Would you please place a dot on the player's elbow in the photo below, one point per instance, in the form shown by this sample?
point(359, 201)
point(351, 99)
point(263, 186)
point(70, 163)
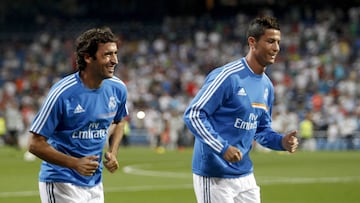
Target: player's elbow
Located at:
point(32, 147)
point(189, 116)
point(36, 143)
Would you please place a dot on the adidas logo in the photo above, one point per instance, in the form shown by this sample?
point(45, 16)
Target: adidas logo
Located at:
point(241, 92)
point(79, 109)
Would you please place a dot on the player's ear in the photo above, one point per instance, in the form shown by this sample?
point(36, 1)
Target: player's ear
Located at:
point(251, 42)
point(87, 58)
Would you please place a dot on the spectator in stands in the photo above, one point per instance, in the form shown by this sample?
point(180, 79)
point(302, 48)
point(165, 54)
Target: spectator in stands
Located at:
point(175, 125)
point(333, 137)
point(2, 129)
point(127, 130)
point(306, 132)
point(348, 127)
point(155, 125)
point(14, 124)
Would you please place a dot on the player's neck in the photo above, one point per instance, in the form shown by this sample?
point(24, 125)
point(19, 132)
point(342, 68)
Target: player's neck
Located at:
point(254, 65)
point(89, 81)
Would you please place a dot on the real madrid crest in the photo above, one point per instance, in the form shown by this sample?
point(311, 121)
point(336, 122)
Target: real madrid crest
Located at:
point(112, 103)
point(266, 94)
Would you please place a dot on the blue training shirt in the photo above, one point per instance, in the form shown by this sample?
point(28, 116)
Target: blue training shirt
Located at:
point(233, 107)
point(75, 119)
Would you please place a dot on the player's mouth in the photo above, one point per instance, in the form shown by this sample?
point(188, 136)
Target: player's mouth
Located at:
point(273, 56)
point(111, 69)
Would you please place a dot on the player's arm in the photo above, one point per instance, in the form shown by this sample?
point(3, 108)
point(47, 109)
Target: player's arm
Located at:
point(267, 137)
point(116, 131)
point(85, 166)
point(206, 102)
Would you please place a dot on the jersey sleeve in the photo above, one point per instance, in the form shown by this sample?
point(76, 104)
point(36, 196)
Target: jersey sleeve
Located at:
point(265, 135)
point(122, 110)
point(48, 117)
point(205, 103)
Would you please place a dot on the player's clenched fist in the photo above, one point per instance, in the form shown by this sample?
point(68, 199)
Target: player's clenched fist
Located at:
point(232, 154)
point(87, 166)
point(290, 141)
point(111, 163)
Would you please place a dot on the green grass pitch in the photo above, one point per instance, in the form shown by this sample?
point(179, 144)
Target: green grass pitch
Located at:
point(146, 176)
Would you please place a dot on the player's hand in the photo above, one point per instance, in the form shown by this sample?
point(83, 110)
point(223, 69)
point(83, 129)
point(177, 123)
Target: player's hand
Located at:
point(110, 162)
point(87, 165)
point(290, 142)
point(233, 154)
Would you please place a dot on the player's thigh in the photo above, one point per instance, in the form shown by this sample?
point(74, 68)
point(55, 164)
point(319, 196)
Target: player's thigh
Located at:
point(97, 194)
point(249, 196)
point(249, 191)
point(209, 189)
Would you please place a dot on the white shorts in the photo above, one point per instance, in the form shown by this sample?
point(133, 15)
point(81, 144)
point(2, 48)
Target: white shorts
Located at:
point(69, 193)
point(226, 190)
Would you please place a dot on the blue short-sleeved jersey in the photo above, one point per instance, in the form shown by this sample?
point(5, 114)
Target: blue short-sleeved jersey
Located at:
point(75, 119)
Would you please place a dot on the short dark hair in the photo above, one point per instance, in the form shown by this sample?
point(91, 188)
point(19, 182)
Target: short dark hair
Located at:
point(258, 26)
point(88, 41)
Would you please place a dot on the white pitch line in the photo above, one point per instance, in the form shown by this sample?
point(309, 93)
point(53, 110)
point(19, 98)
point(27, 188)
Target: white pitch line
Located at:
point(107, 190)
point(138, 171)
point(262, 180)
point(149, 188)
point(305, 180)
point(19, 194)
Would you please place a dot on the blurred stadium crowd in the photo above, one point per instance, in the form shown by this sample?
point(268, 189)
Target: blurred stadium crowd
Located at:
point(164, 64)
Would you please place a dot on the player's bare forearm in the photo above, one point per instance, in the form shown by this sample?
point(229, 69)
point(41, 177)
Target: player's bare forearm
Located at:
point(116, 132)
point(85, 165)
point(39, 147)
